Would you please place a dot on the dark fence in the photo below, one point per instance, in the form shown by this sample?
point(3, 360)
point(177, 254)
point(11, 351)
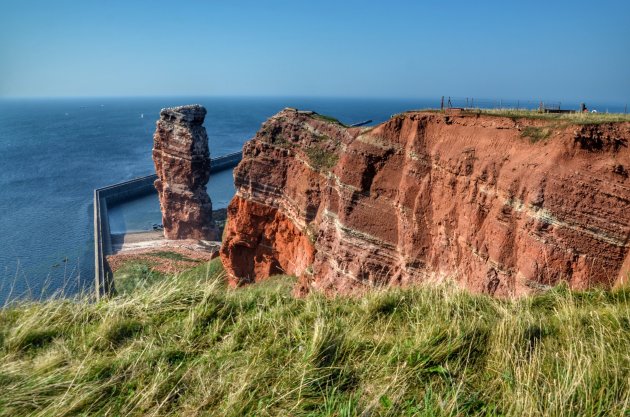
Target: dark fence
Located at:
point(448, 102)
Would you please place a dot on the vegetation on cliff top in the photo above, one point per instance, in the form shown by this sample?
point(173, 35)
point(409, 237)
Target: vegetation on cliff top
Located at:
point(575, 118)
point(563, 118)
point(327, 118)
point(188, 345)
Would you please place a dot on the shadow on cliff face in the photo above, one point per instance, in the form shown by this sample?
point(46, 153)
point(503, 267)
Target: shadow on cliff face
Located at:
point(264, 243)
point(594, 139)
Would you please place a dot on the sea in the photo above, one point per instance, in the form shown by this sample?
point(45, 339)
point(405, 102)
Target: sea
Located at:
point(54, 152)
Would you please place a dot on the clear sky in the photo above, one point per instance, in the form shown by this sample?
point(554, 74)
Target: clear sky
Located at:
point(570, 50)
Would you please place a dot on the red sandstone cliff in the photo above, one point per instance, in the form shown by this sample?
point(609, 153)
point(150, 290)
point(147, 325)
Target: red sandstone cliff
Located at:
point(182, 163)
point(428, 196)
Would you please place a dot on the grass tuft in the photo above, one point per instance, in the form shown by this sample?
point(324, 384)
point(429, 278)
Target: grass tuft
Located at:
point(113, 333)
point(32, 338)
point(321, 159)
point(536, 134)
point(136, 276)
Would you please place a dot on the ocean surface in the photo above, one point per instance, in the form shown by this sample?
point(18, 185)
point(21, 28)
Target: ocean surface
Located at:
point(53, 153)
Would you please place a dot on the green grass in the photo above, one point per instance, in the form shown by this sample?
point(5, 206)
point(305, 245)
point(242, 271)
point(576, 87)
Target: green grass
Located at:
point(134, 275)
point(327, 118)
point(171, 255)
point(536, 134)
point(188, 345)
point(563, 119)
point(281, 141)
point(320, 158)
point(573, 118)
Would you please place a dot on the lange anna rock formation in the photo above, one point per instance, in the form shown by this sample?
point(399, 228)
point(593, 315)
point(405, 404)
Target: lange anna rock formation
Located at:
point(501, 205)
point(182, 163)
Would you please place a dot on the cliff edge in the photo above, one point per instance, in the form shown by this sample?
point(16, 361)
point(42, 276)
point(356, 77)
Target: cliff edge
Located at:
point(502, 205)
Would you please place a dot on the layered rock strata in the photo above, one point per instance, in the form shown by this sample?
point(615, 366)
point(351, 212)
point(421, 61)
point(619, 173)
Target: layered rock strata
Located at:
point(502, 206)
point(182, 163)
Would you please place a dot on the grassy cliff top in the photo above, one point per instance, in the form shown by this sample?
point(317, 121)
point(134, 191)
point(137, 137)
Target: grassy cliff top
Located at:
point(575, 118)
point(567, 118)
point(188, 345)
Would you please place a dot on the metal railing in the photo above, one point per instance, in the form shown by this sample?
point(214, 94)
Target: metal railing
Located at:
point(449, 102)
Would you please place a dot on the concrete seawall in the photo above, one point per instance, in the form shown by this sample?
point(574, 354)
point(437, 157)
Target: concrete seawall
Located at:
point(117, 193)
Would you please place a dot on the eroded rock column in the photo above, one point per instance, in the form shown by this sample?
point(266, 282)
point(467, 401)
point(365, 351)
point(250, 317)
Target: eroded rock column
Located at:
point(182, 163)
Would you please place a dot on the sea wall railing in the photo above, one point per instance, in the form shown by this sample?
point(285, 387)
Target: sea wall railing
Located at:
point(123, 191)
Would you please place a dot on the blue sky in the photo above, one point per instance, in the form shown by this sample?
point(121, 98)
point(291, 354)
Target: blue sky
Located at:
point(570, 50)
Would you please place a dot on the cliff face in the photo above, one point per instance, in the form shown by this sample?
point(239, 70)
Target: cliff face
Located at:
point(503, 206)
point(182, 163)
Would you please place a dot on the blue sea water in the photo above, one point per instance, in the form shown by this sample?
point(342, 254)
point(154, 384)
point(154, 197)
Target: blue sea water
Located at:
point(53, 153)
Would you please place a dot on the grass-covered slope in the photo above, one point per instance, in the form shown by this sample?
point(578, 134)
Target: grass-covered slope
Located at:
point(190, 346)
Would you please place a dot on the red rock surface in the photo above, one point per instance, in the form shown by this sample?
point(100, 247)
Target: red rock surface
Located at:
point(182, 163)
point(430, 196)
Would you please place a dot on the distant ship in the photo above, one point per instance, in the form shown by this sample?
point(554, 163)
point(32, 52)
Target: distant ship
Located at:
point(142, 115)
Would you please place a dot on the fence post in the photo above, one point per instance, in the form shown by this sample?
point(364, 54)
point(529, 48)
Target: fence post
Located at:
point(442, 104)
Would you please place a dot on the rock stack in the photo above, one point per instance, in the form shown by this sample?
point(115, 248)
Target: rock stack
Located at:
point(182, 163)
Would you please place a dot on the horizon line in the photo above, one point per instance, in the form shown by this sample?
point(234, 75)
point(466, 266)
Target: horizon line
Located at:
point(293, 96)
